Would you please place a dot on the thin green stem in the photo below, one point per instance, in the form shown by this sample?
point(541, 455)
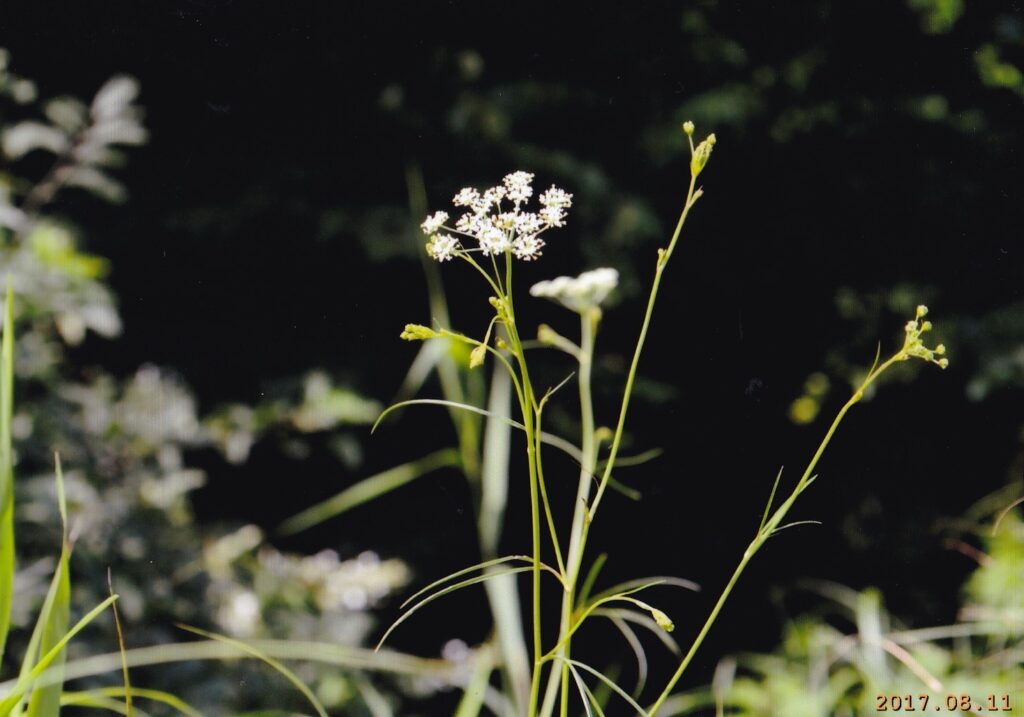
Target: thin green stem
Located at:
point(663, 256)
point(544, 498)
point(529, 408)
point(769, 529)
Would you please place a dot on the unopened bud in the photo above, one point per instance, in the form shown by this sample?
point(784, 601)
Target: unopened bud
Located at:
point(418, 332)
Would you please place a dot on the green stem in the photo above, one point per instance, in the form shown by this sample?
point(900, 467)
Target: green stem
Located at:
point(529, 408)
point(585, 355)
point(769, 529)
point(663, 256)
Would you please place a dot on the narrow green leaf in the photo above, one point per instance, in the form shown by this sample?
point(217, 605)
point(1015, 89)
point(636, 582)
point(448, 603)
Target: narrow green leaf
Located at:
point(473, 697)
point(52, 621)
point(589, 703)
point(547, 438)
point(465, 571)
point(445, 591)
point(638, 651)
point(632, 586)
point(771, 499)
point(794, 524)
point(372, 698)
point(121, 648)
point(368, 489)
point(165, 698)
point(6, 468)
point(266, 659)
point(614, 687)
point(588, 582)
point(644, 620)
point(25, 681)
point(96, 701)
point(45, 701)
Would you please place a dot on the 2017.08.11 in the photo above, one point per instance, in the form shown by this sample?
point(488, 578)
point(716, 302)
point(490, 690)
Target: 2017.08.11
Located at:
point(950, 703)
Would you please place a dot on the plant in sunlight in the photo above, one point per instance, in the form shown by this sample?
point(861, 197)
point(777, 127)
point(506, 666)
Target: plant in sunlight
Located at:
point(496, 229)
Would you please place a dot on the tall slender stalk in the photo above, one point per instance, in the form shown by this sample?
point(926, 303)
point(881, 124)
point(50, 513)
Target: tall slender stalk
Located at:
point(769, 527)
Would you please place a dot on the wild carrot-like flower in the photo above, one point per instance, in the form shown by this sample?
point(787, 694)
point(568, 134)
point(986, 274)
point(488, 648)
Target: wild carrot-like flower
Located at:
point(580, 293)
point(496, 229)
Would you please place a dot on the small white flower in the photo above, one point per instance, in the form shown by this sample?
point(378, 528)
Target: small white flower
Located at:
point(519, 186)
point(527, 247)
point(492, 239)
point(528, 223)
point(466, 197)
point(468, 223)
point(584, 292)
point(553, 216)
point(442, 247)
point(434, 222)
point(555, 197)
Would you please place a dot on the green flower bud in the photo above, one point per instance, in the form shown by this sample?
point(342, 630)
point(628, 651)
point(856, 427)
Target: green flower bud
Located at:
point(418, 332)
point(476, 356)
point(701, 155)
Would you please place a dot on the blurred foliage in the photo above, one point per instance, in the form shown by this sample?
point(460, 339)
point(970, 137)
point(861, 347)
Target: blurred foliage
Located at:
point(843, 658)
point(123, 442)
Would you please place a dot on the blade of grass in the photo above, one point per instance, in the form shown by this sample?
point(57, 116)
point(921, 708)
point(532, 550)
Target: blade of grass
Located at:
point(96, 701)
point(368, 489)
point(638, 650)
point(24, 682)
point(164, 698)
point(121, 649)
point(611, 684)
point(588, 582)
point(547, 438)
point(445, 591)
point(266, 659)
point(630, 586)
point(473, 697)
point(502, 594)
point(589, 703)
point(643, 620)
point(53, 619)
point(6, 468)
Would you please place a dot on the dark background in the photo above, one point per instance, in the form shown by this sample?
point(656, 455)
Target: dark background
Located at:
point(859, 148)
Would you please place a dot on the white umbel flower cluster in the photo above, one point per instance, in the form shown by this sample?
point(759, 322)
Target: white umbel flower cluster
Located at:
point(494, 228)
point(581, 293)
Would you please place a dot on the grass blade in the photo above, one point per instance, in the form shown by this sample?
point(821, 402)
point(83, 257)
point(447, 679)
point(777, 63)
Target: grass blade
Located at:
point(589, 703)
point(25, 681)
point(368, 489)
point(164, 698)
point(643, 620)
point(771, 499)
point(6, 469)
point(121, 648)
point(631, 586)
point(638, 650)
point(466, 571)
point(614, 687)
point(96, 701)
point(53, 620)
point(445, 591)
point(267, 659)
point(547, 438)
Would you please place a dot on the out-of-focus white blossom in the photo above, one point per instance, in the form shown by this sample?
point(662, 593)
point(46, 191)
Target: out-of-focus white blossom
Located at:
point(496, 229)
point(581, 293)
point(240, 613)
